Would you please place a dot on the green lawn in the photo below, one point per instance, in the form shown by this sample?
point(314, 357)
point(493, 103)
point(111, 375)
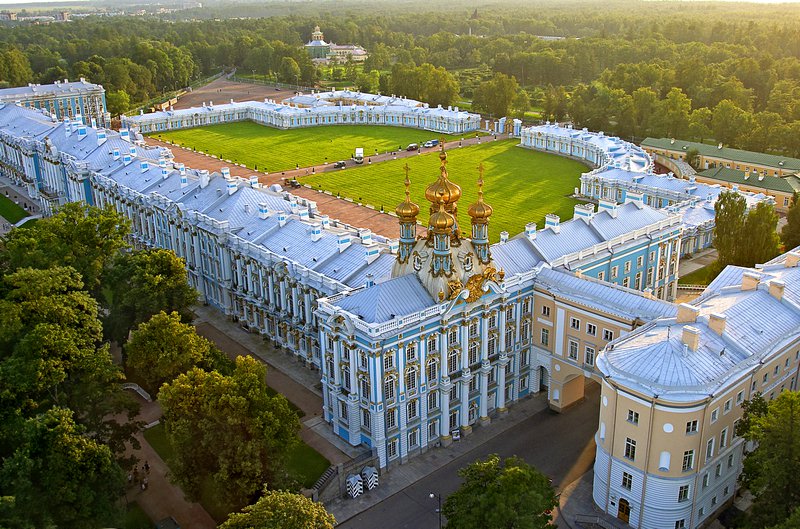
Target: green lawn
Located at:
point(701, 276)
point(275, 150)
point(10, 211)
point(522, 185)
point(307, 464)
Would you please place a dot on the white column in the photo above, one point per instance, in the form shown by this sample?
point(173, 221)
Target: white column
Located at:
point(422, 347)
point(402, 407)
point(501, 382)
point(483, 403)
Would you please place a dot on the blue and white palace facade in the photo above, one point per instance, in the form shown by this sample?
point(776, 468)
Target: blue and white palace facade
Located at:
point(341, 107)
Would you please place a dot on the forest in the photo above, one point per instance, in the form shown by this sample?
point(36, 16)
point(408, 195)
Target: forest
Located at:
point(715, 72)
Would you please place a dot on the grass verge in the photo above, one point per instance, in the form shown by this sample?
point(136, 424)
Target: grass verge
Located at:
point(701, 276)
point(11, 211)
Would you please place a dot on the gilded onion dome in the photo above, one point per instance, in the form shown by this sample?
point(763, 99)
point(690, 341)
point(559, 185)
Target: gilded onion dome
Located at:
point(406, 210)
point(480, 211)
point(441, 221)
point(443, 188)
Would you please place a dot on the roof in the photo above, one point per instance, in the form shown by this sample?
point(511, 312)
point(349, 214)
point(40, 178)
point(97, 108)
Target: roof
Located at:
point(725, 153)
point(385, 301)
point(55, 89)
point(786, 184)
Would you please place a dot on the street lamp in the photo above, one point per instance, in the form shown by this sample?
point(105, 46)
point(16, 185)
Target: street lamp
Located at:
point(438, 497)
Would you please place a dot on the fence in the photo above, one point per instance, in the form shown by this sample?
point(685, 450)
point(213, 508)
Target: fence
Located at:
point(166, 96)
point(269, 82)
point(588, 519)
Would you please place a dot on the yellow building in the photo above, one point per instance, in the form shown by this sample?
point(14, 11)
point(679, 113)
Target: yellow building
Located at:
point(672, 391)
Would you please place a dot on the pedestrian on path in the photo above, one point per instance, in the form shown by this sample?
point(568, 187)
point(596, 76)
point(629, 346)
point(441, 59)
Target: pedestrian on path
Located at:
point(146, 467)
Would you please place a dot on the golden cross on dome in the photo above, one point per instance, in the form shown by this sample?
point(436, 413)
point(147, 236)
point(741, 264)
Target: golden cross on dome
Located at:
point(407, 182)
point(480, 179)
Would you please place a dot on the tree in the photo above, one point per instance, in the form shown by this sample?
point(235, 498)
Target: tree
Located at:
point(729, 213)
point(229, 429)
point(792, 522)
point(760, 232)
point(672, 113)
point(700, 124)
point(278, 509)
point(289, 71)
point(771, 469)
point(59, 477)
point(163, 348)
point(790, 233)
point(511, 494)
point(142, 283)
point(496, 95)
point(83, 237)
point(118, 102)
point(645, 102)
point(693, 158)
point(729, 123)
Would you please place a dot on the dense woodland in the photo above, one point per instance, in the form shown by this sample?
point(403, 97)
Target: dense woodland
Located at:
point(712, 72)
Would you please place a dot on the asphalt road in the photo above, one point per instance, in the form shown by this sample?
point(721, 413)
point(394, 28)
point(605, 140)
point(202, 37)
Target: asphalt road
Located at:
point(560, 445)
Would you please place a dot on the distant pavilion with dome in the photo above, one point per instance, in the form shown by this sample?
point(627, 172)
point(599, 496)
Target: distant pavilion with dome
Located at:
point(321, 51)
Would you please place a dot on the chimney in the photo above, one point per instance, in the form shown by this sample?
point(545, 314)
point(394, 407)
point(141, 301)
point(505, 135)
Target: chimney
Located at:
point(303, 213)
point(366, 237)
point(231, 186)
point(254, 181)
point(94, 123)
point(750, 281)
point(610, 206)
point(115, 154)
point(636, 198)
point(583, 212)
point(325, 221)
point(133, 150)
point(776, 287)
point(394, 246)
point(716, 322)
point(248, 209)
point(126, 159)
point(184, 180)
point(553, 222)
point(81, 131)
point(691, 337)
point(263, 210)
point(371, 253)
point(101, 137)
point(164, 173)
point(182, 169)
point(226, 173)
point(204, 178)
point(503, 237)
point(370, 281)
point(316, 232)
point(530, 231)
point(144, 166)
point(281, 219)
point(125, 134)
point(687, 313)
point(293, 204)
point(67, 127)
point(792, 258)
point(342, 241)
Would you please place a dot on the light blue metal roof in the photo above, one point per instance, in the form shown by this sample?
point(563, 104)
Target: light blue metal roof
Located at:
point(516, 256)
point(383, 302)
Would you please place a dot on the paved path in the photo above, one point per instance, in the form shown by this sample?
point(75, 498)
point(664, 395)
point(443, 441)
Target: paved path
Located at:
point(699, 260)
point(349, 213)
point(404, 500)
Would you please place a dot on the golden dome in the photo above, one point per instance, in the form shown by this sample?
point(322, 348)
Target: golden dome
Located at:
point(480, 210)
point(407, 210)
point(441, 220)
point(443, 188)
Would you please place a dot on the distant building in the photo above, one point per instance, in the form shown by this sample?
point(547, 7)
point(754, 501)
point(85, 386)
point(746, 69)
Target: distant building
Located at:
point(322, 51)
point(63, 99)
point(7, 15)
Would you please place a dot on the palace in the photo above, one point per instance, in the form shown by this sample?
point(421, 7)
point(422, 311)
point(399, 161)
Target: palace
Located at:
point(321, 51)
point(63, 99)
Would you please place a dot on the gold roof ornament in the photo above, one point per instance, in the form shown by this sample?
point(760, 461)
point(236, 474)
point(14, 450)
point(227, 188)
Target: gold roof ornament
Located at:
point(480, 211)
point(406, 210)
point(443, 188)
point(441, 221)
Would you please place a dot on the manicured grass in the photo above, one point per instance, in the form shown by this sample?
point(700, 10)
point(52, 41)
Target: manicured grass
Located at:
point(521, 185)
point(136, 518)
point(307, 464)
point(10, 211)
point(275, 150)
point(701, 276)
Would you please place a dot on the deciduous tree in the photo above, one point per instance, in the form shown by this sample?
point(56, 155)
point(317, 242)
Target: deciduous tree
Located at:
point(790, 233)
point(728, 227)
point(496, 95)
point(495, 494)
point(760, 232)
point(278, 509)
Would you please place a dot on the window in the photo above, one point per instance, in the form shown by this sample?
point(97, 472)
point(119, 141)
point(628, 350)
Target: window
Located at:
point(714, 415)
point(739, 397)
point(705, 480)
point(727, 406)
point(630, 448)
point(652, 256)
point(346, 377)
point(637, 282)
point(627, 481)
point(714, 500)
point(683, 493)
point(709, 449)
point(452, 361)
point(626, 282)
point(388, 361)
point(688, 460)
point(413, 409)
point(701, 512)
point(411, 352)
point(454, 420)
point(473, 330)
point(591, 329)
point(723, 439)
point(575, 323)
point(473, 353)
point(526, 331)
point(545, 337)
point(525, 360)
point(766, 377)
point(473, 384)
point(523, 383)
point(608, 335)
point(493, 321)
point(343, 410)
point(433, 368)
point(362, 360)
point(433, 428)
point(718, 470)
point(680, 524)
point(589, 355)
point(627, 267)
point(411, 379)
point(509, 313)
point(433, 400)
point(364, 387)
point(432, 344)
point(545, 311)
point(776, 371)
point(366, 420)
point(388, 388)
point(391, 418)
point(633, 417)
point(454, 392)
point(601, 276)
point(614, 272)
point(573, 350)
point(491, 346)
point(649, 276)
point(526, 306)
point(730, 461)
point(640, 261)
point(726, 490)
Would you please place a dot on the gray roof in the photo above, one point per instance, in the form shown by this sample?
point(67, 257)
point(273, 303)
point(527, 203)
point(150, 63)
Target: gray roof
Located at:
point(725, 153)
point(385, 301)
point(55, 89)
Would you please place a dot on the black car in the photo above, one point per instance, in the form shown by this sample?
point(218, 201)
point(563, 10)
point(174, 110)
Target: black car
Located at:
point(341, 164)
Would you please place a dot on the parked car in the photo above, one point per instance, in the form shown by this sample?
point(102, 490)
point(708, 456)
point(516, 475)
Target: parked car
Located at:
point(412, 147)
point(430, 143)
point(341, 164)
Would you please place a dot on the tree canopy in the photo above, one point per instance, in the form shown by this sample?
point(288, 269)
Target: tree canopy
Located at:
point(790, 233)
point(278, 509)
point(510, 493)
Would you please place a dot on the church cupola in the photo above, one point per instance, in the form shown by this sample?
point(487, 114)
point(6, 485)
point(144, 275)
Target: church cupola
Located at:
point(480, 212)
point(407, 212)
point(446, 192)
point(441, 226)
